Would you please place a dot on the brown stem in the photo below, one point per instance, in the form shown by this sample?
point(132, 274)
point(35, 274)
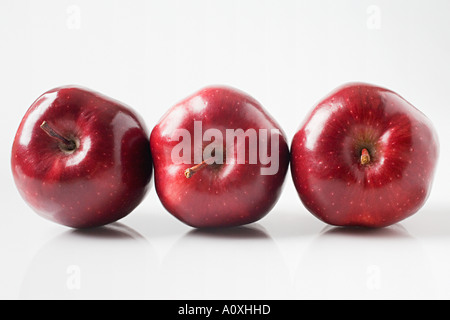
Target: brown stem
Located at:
point(189, 172)
point(365, 157)
point(66, 144)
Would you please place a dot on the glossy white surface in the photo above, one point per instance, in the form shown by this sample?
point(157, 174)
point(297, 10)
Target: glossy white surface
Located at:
point(287, 54)
point(288, 254)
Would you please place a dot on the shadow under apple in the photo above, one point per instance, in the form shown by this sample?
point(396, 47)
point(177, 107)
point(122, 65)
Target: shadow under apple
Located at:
point(232, 233)
point(110, 262)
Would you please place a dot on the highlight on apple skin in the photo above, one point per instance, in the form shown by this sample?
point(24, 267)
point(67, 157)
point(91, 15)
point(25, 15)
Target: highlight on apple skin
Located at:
point(81, 159)
point(220, 159)
point(364, 156)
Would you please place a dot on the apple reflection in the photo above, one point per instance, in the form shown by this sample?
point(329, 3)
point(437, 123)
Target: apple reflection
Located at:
point(238, 263)
point(111, 262)
point(385, 263)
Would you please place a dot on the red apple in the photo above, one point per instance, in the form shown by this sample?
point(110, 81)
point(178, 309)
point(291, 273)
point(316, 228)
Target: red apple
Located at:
point(364, 157)
point(208, 152)
point(80, 158)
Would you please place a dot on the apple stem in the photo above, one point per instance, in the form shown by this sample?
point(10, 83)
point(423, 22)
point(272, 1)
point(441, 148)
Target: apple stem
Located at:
point(189, 172)
point(68, 145)
point(365, 157)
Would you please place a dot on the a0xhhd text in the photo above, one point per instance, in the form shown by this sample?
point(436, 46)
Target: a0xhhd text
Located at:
point(227, 309)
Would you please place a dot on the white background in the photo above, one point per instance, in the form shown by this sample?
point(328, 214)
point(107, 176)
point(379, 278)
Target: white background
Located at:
point(286, 54)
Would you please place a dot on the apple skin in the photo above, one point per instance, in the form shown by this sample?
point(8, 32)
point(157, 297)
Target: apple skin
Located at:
point(224, 195)
point(103, 179)
point(326, 157)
